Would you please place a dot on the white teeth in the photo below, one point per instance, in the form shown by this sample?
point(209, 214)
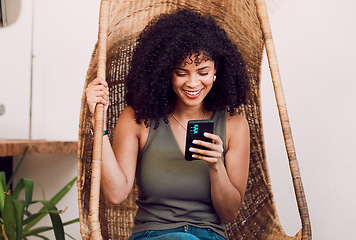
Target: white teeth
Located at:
point(192, 93)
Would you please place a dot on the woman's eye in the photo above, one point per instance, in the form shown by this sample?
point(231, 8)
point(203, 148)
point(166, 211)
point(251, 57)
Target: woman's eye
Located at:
point(203, 74)
point(181, 74)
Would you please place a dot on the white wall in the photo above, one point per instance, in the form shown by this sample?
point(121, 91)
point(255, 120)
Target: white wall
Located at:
point(65, 33)
point(315, 43)
point(64, 36)
point(15, 73)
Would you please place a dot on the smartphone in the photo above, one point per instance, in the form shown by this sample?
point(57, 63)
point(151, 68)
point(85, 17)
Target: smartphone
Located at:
point(196, 130)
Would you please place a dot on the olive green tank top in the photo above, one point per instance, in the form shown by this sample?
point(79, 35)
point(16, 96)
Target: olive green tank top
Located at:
point(173, 192)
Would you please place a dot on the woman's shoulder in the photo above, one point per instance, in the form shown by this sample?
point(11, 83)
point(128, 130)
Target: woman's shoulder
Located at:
point(127, 118)
point(236, 122)
point(128, 126)
point(237, 132)
point(127, 115)
point(128, 111)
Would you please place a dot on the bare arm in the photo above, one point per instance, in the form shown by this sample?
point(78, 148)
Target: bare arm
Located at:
point(119, 160)
point(228, 183)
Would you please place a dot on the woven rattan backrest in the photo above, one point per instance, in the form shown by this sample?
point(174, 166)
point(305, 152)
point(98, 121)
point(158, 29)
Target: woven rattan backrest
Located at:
point(257, 218)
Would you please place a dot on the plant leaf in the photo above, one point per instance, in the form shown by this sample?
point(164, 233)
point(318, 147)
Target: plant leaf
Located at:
point(56, 220)
point(9, 217)
point(28, 185)
point(63, 191)
point(35, 215)
point(70, 236)
point(43, 192)
point(3, 189)
point(17, 168)
point(54, 200)
point(19, 212)
point(71, 222)
point(40, 236)
point(27, 213)
point(35, 231)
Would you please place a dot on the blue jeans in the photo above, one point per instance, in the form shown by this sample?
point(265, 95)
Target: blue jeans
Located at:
point(186, 232)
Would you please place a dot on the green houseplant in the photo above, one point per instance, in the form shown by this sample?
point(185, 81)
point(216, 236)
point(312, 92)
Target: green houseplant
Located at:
point(17, 222)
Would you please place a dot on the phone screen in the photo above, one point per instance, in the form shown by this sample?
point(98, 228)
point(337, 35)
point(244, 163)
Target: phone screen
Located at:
point(196, 130)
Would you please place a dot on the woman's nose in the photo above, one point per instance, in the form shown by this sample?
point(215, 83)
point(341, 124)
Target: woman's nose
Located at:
point(193, 81)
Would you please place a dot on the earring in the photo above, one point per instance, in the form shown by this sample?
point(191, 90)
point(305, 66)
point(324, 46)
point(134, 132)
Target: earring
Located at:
point(214, 78)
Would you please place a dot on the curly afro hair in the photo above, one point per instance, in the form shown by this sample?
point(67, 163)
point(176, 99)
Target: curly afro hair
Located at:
point(164, 43)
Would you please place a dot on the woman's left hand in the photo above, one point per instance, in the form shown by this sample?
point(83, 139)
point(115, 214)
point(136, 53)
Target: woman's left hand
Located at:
point(214, 152)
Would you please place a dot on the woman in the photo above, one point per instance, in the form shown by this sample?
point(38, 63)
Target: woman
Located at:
point(184, 68)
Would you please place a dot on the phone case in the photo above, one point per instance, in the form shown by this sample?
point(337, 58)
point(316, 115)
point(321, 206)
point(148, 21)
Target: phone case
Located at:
point(195, 130)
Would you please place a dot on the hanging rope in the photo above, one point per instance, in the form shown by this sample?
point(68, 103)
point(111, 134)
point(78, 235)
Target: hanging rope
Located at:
point(94, 223)
point(283, 114)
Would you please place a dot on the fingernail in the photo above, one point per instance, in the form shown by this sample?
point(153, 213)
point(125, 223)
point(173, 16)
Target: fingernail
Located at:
point(195, 141)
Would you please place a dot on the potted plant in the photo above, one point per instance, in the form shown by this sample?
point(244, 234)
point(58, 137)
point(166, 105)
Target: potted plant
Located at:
point(16, 220)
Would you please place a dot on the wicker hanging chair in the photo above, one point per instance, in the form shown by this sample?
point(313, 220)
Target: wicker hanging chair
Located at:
point(246, 23)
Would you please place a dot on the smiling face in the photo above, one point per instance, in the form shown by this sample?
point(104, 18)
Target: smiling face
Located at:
point(192, 80)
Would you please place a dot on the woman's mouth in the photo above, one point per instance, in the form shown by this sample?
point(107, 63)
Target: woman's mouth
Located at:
point(192, 94)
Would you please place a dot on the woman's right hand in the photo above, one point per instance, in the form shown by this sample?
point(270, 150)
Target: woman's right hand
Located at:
point(97, 92)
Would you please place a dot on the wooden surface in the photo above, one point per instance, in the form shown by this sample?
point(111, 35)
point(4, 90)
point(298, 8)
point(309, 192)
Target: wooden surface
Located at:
point(18, 147)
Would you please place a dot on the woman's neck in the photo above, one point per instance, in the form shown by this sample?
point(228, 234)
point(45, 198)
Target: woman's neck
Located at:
point(189, 113)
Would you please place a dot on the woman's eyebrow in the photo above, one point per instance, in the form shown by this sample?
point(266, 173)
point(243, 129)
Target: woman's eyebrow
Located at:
point(182, 69)
point(199, 69)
